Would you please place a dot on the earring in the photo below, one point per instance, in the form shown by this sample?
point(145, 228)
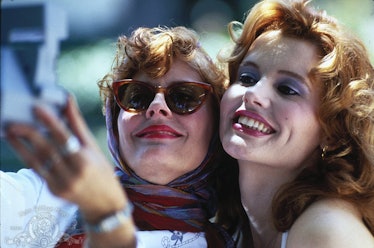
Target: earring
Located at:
point(324, 151)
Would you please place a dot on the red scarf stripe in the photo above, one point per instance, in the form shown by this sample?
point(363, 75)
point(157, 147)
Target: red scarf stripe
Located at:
point(162, 200)
point(74, 241)
point(149, 221)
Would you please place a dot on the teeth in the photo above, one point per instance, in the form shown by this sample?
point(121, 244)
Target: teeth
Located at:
point(253, 124)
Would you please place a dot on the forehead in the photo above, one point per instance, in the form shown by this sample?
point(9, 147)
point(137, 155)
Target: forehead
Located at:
point(179, 71)
point(273, 49)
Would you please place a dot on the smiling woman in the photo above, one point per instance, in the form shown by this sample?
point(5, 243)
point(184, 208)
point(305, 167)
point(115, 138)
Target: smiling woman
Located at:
point(167, 129)
point(164, 140)
point(264, 83)
point(299, 118)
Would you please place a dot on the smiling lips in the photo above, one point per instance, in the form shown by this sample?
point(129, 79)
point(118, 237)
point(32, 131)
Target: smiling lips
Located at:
point(254, 124)
point(159, 132)
point(251, 123)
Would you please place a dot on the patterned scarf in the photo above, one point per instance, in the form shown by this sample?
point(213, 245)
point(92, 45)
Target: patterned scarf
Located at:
point(185, 204)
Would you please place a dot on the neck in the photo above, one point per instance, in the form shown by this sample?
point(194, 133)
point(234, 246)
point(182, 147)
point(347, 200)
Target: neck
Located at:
point(258, 185)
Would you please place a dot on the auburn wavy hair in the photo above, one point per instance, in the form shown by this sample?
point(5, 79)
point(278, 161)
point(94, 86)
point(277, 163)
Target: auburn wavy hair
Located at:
point(152, 51)
point(346, 111)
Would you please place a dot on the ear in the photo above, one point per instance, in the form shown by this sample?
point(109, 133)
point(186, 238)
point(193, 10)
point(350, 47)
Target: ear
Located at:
point(328, 143)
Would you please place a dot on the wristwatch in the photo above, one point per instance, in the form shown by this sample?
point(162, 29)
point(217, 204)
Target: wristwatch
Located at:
point(111, 222)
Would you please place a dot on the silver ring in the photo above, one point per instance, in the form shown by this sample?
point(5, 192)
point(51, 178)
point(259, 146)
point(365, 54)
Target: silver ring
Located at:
point(71, 146)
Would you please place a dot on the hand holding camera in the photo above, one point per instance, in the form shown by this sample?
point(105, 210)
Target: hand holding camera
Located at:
point(29, 48)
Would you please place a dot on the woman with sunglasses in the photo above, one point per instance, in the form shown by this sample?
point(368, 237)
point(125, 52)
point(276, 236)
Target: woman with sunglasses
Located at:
point(161, 103)
point(299, 118)
point(162, 113)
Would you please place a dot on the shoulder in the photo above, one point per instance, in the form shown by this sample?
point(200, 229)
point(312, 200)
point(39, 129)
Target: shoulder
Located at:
point(330, 223)
point(22, 192)
point(24, 179)
point(26, 205)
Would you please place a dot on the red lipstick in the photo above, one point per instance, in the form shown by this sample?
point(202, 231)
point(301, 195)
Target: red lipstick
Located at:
point(158, 132)
point(251, 123)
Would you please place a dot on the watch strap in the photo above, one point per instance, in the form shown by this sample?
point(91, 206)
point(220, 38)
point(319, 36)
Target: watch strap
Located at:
point(111, 222)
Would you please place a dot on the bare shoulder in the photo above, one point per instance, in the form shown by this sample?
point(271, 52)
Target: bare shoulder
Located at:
point(330, 223)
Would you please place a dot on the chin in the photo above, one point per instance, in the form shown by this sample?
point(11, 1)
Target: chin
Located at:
point(232, 147)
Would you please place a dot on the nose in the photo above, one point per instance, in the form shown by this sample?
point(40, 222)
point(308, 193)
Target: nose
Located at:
point(258, 95)
point(158, 107)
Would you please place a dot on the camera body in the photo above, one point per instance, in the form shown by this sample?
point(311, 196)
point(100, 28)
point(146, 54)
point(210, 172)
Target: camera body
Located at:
point(29, 48)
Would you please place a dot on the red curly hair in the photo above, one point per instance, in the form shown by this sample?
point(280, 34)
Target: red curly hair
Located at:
point(346, 112)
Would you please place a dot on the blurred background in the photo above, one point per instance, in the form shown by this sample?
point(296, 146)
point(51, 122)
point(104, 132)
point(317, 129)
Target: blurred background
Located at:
point(86, 54)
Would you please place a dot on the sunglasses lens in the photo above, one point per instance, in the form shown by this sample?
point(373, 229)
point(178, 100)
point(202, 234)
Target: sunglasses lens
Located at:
point(185, 98)
point(134, 97)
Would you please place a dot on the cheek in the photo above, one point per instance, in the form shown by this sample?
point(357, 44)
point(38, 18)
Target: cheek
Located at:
point(125, 125)
point(202, 125)
point(121, 133)
point(224, 105)
point(314, 128)
point(230, 103)
point(122, 124)
point(306, 124)
point(232, 97)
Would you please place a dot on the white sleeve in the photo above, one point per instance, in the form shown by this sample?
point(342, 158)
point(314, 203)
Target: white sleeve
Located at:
point(30, 215)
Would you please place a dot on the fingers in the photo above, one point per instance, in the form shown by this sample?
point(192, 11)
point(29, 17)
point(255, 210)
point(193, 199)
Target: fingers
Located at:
point(41, 153)
point(78, 124)
point(66, 155)
point(42, 150)
point(67, 138)
point(59, 136)
point(34, 149)
point(57, 131)
point(21, 147)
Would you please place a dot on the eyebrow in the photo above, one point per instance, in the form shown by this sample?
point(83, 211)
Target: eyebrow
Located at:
point(292, 74)
point(295, 75)
point(289, 73)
